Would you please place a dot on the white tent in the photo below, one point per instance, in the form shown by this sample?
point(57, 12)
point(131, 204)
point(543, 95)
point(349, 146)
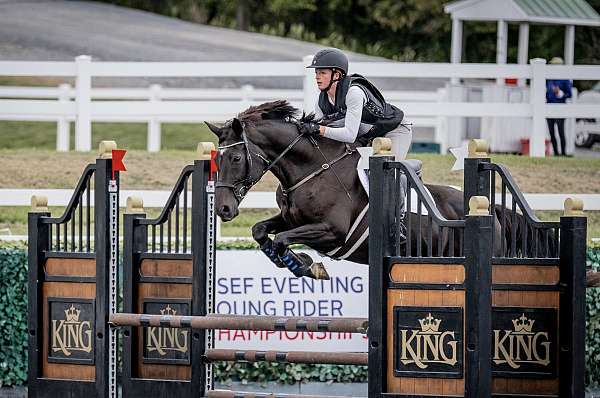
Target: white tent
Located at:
point(569, 13)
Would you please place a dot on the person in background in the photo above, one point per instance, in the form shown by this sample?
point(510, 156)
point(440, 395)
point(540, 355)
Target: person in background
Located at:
point(557, 92)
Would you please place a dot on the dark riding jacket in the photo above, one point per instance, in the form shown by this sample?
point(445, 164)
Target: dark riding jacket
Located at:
point(383, 116)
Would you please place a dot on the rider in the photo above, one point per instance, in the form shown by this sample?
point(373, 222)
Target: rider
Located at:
point(352, 109)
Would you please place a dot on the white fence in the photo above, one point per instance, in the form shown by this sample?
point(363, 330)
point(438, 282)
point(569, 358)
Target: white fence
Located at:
point(254, 200)
point(155, 105)
point(239, 98)
point(258, 199)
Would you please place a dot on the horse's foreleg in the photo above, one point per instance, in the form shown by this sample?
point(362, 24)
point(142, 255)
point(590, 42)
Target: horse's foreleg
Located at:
point(311, 235)
point(260, 233)
point(262, 229)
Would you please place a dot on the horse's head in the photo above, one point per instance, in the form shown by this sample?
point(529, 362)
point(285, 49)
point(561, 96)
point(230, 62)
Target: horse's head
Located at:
point(241, 164)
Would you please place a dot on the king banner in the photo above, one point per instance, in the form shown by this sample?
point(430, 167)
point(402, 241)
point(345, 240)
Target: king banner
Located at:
point(524, 342)
point(71, 337)
point(428, 342)
point(162, 344)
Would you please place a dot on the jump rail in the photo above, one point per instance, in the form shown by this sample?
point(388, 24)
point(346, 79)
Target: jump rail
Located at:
point(244, 322)
point(241, 394)
point(332, 358)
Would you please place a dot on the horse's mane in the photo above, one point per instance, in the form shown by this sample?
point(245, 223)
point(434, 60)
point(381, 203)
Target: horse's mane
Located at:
point(275, 110)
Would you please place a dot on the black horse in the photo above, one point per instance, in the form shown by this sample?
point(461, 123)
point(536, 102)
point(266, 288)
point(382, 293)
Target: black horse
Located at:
point(320, 194)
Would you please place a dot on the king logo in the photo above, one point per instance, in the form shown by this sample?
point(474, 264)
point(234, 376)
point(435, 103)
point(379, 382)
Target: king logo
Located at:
point(521, 345)
point(70, 334)
point(428, 344)
point(163, 340)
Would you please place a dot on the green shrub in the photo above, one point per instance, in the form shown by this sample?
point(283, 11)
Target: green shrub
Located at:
point(288, 373)
point(13, 339)
point(13, 315)
point(592, 324)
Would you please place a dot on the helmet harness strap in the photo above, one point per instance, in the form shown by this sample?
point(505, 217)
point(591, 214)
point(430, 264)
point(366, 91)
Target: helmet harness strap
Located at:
point(333, 80)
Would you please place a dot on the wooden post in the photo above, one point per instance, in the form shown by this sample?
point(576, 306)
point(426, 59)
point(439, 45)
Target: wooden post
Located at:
point(63, 126)
point(523, 49)
point(38, 244)
point(573, 241)
point(476, 182)
point(309, 86)
point(537, 139)
point(135, 241)
point(154, 133)
point(380, 246)
point(478, 299)
point(83, 121)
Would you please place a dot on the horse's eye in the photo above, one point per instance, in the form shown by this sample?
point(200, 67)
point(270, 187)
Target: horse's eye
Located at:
point(237, 158)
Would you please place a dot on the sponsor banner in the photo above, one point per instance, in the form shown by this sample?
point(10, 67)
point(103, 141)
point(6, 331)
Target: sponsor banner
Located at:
point(71, 330)
point(247, 283)
point(428, 342)
point(166, 345)
point(525, 342)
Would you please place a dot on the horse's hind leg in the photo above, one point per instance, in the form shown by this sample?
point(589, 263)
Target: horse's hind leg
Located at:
point(319, 235)
point(260, 233)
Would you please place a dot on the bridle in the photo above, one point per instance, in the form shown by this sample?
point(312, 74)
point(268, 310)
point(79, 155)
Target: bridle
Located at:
point(241, 187)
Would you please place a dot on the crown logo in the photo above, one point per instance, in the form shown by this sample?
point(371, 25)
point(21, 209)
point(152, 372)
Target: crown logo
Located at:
point(72, 314)
point(523, 325)
point(429, 324)
point(168, 311)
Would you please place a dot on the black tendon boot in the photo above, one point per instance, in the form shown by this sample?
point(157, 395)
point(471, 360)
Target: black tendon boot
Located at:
point(267, 248)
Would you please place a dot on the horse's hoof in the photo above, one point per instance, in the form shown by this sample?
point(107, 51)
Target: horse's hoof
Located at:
point(318, 271)
point(313, 270)
point(305, 259)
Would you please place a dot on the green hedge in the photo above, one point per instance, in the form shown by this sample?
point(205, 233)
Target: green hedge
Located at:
point(13, 314)
point(592, 324)
point(13, 338)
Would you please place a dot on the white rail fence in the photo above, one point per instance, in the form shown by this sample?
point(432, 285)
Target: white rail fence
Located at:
point(239, 99)
point(83, 104)
point(254, 200)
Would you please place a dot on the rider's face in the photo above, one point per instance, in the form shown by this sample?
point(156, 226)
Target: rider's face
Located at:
point(323, 77)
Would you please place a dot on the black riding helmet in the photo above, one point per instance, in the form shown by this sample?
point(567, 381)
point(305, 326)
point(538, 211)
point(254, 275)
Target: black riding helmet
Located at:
point(330, 58)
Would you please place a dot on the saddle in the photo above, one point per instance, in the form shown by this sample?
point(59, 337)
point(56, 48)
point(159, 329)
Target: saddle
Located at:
point(359, 231)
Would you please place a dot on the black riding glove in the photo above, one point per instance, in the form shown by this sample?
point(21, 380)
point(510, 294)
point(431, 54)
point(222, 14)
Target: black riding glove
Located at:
point(311, 128)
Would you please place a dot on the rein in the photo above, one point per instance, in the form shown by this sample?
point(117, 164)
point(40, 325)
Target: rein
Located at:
point(241, 188)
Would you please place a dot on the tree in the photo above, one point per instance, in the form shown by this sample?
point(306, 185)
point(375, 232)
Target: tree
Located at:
point(407, 30)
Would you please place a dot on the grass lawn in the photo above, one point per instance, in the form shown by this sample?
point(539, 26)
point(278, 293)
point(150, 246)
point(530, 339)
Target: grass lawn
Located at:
point(131, 136)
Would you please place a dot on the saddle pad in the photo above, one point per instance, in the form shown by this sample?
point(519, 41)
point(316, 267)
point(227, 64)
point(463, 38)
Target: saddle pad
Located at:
point(364, 180)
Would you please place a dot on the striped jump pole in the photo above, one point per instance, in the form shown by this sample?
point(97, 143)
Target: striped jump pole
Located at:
point(309, 357)
point(244, 322)
point(242, 394)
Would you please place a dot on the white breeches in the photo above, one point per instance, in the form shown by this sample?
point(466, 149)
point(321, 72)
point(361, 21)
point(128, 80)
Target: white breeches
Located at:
point(401, 138)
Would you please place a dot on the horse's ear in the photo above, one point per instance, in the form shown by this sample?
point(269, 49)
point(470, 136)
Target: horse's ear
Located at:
point(216, 130)
point(237, 127)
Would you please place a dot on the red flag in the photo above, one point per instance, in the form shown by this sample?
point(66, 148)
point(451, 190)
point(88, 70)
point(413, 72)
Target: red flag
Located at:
point(213, 163)
point(117, 161)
